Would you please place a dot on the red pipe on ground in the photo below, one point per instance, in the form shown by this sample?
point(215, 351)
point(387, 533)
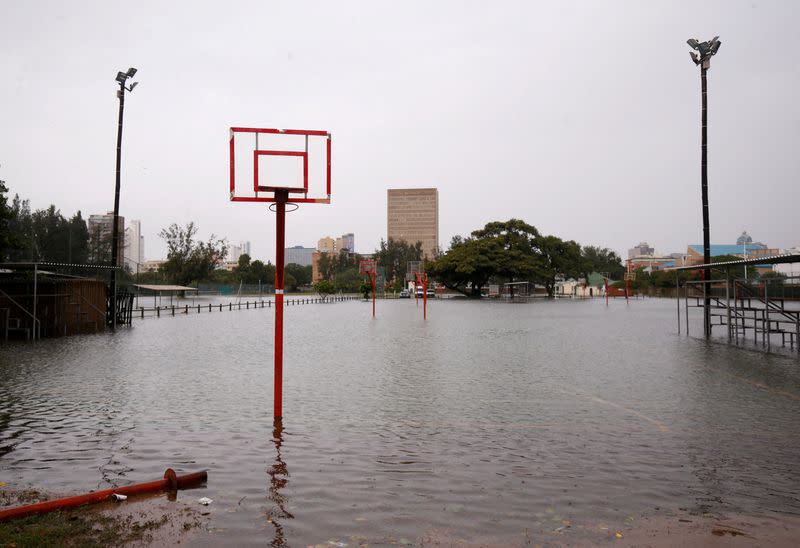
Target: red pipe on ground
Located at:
point(170, 482)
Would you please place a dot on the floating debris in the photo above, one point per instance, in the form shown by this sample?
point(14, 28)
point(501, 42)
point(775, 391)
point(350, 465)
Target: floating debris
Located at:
point(205, 501)
point(119, 498)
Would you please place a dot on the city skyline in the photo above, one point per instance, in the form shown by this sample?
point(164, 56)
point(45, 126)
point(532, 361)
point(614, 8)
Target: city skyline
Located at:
point(586, 137)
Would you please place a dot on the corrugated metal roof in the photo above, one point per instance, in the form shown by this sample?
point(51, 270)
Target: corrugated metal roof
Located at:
point(164, 287)
point(758, 261)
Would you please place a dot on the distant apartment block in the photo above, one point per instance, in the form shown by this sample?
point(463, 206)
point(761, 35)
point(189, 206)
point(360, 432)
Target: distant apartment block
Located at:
point(237, 250)
point(413, 216)
point(326, 244)
point(134, 246)
point(100, 231)
point(298, 255)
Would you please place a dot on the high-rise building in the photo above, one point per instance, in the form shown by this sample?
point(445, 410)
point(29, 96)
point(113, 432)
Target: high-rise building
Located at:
point(100, 236)
point(413, 216)
point(347, 241)
point(237, 250)
point(298, 255)
point(134, 246)
point(641, 250)
point(326, 244)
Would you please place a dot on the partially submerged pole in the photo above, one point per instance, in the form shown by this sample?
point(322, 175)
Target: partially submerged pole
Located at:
point(281, 197)
point(171, 482)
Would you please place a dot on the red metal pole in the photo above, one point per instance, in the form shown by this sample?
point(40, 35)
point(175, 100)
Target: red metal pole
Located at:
point(171, 481)
point(280, 239)
point(627, 289)
point(425, 297)
point(605, 280)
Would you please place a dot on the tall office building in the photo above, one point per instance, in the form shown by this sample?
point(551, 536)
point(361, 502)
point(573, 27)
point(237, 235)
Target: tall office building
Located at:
point(134, 246)
point(413, 216)
point(100, 235)
point(298, 255)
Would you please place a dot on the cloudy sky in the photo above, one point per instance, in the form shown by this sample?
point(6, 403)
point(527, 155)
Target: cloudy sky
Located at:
point(582, 118)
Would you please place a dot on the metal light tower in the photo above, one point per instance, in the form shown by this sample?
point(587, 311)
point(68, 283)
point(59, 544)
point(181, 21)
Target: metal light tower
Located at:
point(705, 50)
point(122, 77)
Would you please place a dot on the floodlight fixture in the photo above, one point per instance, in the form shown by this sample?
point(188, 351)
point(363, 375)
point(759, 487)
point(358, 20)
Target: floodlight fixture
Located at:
point(121, 77)
point(705, 49)
point(133, 85)
point(132, 71)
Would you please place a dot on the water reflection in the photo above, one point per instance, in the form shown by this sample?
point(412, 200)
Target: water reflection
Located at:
point(278, 479)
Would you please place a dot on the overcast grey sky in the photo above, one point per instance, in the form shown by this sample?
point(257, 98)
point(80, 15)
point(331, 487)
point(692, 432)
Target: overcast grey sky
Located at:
point(582, 118)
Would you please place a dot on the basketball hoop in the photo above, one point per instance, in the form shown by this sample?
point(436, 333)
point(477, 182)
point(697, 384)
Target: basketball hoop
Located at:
point(268, 168)
point(273, 207)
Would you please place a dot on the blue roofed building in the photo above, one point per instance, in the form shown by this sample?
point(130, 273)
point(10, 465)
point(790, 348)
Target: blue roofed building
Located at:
point(746, 248)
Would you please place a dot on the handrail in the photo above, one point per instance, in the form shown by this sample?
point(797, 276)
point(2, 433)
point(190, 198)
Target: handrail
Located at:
point(37, 325)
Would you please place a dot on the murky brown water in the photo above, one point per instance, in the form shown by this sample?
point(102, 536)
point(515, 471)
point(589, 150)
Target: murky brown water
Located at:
point(489, 422)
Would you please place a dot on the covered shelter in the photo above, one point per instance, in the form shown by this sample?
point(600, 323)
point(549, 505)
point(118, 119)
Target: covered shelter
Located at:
point(158, 291)
point(49, 299)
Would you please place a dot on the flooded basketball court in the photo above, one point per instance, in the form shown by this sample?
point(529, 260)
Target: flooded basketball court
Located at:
point(491, 423)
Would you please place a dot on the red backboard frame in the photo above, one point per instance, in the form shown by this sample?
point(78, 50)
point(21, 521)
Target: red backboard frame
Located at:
point(305, 199)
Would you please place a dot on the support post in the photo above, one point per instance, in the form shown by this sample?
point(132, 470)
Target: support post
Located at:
point(728, 301)
point(766, 315)
point(686, 304)
point(281, 197)
point(35, 298)
point(374, 279)
point(115, 220)
point(425, 297)
point(678, 300)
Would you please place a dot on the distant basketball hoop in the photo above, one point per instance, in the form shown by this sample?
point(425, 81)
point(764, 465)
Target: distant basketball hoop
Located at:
point(370, 268)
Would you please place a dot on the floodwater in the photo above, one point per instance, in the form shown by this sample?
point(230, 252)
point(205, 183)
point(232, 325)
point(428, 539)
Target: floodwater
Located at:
point(494, 423)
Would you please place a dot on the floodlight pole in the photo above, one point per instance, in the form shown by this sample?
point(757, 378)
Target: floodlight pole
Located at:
point(121, 78)
point(115, 220)
point(705, 51)
point(704, 186)
point(281, 197)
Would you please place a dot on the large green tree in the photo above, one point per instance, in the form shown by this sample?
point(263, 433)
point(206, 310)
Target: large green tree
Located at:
point(393, 256)
point(300, 274)
point(556, 258)
point(603, 260)
point(190, 260)
point(466, 267)
point(9, 240)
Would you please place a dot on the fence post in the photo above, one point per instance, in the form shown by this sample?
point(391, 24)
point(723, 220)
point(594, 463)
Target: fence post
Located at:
point(158, 312)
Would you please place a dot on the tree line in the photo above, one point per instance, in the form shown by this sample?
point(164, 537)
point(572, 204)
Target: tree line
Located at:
point(515, 251)
point(501, 251)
